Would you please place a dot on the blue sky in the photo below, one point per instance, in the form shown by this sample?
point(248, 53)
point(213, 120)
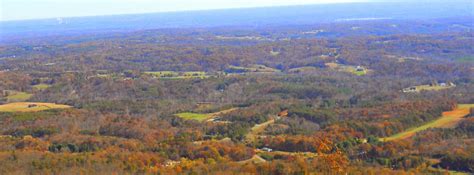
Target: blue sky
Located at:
point(37, 9)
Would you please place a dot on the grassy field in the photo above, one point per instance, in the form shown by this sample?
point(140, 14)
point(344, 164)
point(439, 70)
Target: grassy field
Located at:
point(18, 96)
point(447, 120)
point(25, 107)
point(431, 88)
point(178, 75)
point(203, 117)
point(273, 53)
point(347, 68)
point(253, 68)
point(255, 159)
point(359, 73)
point(285, 153)
point(239, 38)
point(193, 116)
point(256, 130)
point(29, 116)
point(302, 69)
point(466, 106)
point(41, 87)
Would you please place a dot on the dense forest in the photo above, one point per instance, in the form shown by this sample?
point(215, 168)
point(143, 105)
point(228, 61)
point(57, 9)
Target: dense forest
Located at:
point(302, 99)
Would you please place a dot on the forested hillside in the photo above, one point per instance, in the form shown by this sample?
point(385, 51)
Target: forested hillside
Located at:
point(295, 99)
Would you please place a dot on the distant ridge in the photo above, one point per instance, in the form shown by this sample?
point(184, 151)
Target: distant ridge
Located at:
point(250, 17)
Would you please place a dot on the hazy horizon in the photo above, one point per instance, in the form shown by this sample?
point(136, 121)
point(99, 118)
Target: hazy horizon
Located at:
point(15, 10)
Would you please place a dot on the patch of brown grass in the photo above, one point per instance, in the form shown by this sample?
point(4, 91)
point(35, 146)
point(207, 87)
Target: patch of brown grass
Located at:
point(30, 107)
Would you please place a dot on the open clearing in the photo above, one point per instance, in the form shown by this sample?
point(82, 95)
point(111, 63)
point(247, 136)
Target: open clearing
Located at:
point(41, 87)
point(203, 117)
point(258, 38)
point(431, 88)
point(251, 69)
point(15, 96)
point(285, 153)
point(30, 107)
point(192, 116)
point(178, 75)
point(303, 69)
point(257, 129)
point(255, 159)
point(356, 70)
point(448, 120)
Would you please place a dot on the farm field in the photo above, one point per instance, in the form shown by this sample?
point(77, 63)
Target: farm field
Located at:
point(41, 87)
point(178, 75)
point(255, 159)
point(349, 69)
point(431, 88)
point(193, 116)
point(465, 106)
point(203, 117)
point(447, 120)
point(285, 153)
point(274, 53)
point(240, 38)
point(30, 107)
point(251, 69)
point(18, 96)
point(302, 69)
point(257, 129)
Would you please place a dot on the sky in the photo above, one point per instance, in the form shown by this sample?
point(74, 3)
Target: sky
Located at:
point(39, 9)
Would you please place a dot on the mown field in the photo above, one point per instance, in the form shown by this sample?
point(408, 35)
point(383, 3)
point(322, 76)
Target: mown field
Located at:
point(193, 116)
point(431, 88)
point(41, 87)
point(178, 75)
point(256, 130)
point(18, 96)
point(348, 69)
point(30, 107)
point(203, 117)
point(252, 68)
point(447, 120)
